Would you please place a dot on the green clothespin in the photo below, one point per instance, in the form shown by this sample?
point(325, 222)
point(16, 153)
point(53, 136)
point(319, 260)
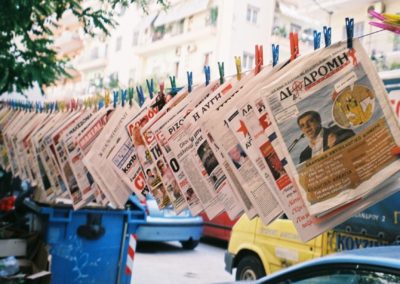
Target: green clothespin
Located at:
point(131, 92)
point(221, 72)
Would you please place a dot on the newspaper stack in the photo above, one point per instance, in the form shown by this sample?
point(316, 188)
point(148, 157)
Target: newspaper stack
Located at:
point(310, 139)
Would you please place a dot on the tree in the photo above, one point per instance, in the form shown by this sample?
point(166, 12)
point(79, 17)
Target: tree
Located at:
point(26, 37)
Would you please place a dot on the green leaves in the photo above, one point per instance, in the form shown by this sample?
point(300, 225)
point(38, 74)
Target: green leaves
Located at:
point(26, 37)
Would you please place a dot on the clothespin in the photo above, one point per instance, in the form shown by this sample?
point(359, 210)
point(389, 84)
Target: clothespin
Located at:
point(115, 98)
point(150, 87)
point(350, 32)
point(221, 70)
point(101, 103)
point(174, 90)
point(275, 54)
point(190, 81)
point(107, 98)
point(238, 64)
point(61, 105)
point(123, 97)
point(327, 36)
point(389, 22)
point(207, 73)
point(139, 90)
point(294, 45)
point(317, 40)
point(259, 58)
point(131, 91)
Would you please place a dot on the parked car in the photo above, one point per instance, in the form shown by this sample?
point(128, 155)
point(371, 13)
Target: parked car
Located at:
point(256, 250)
point(218, 228)
point(165, 225)
point(368, 265)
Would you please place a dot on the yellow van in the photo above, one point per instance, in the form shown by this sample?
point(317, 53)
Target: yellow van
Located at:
point(256, 250)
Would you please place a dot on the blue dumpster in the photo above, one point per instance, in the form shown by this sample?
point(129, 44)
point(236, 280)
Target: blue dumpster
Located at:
point(89, 245)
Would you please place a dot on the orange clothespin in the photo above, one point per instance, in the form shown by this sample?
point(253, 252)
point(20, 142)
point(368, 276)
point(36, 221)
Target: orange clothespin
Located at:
point(294, 46)
point(259, 57)
point(107, 98)
point(238, 63)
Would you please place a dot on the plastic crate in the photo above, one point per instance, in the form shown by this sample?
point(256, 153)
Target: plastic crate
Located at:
point(88, 245)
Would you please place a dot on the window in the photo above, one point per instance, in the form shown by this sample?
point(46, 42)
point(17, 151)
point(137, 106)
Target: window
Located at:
point(207, 59)
point(211, 19)
point(294, 28)
point(118, 44)
point(94, 53)
point(358, 30)
point(132, 74)
point(252, 13)
point(248, 60)
point(135, 38)
point(176, 68)
point(342, 275)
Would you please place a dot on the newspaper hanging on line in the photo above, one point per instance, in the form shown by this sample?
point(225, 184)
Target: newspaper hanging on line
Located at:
point(162, 134)
point(181, 147)
point(152, 174)
point(222, 185)
point(337, 126)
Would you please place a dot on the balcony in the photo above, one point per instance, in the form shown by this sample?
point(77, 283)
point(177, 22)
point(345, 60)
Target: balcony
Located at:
point(169, 40)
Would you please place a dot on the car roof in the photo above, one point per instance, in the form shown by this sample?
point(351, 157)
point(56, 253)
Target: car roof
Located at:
point(385, 256)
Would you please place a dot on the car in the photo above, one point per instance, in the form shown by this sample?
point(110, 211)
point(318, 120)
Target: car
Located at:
point(366, 265)
point(165, 225)
point(219, 227)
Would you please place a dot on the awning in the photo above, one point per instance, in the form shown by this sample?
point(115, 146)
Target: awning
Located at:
point(181, 11)
point(146, 21)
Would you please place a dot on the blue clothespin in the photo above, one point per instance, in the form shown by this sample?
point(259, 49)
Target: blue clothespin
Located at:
point(101, 103)
point(275, 54)
point(317, 40)
point(123, 97)
point(131, 92)
point(139, 90)
point(327, 36)
point(115, 98)
point(207, 73)
point(350, 32)
point(221, 72)
point(190, 81)
point(150, 87)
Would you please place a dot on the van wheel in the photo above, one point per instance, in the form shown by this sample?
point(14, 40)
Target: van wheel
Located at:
point(189, 244)
point(250, 268)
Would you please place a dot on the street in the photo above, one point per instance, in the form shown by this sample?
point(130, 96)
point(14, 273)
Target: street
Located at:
point(169, 263)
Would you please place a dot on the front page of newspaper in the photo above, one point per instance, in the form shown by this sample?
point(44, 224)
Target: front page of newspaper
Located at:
point(335, 121)
point(164, 170)
point(162, 134)
point(242, 152)
point(181, 147)
point(97, 161)
point(153, 110)
point(212, 170)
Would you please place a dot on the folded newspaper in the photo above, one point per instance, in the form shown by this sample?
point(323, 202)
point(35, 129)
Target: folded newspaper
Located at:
point(335, 125)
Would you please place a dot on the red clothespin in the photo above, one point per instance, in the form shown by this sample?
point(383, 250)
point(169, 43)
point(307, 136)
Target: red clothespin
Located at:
point(294, 45)
point(396, 151)
point(259, 58)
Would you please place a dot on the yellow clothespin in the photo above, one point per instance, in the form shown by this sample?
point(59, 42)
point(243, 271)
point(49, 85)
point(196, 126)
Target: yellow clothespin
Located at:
point(238, 63)
point(61, 106)
point(107, 98)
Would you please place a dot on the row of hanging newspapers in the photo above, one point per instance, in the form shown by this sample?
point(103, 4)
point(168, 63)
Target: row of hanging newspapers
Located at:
point(311, 139)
